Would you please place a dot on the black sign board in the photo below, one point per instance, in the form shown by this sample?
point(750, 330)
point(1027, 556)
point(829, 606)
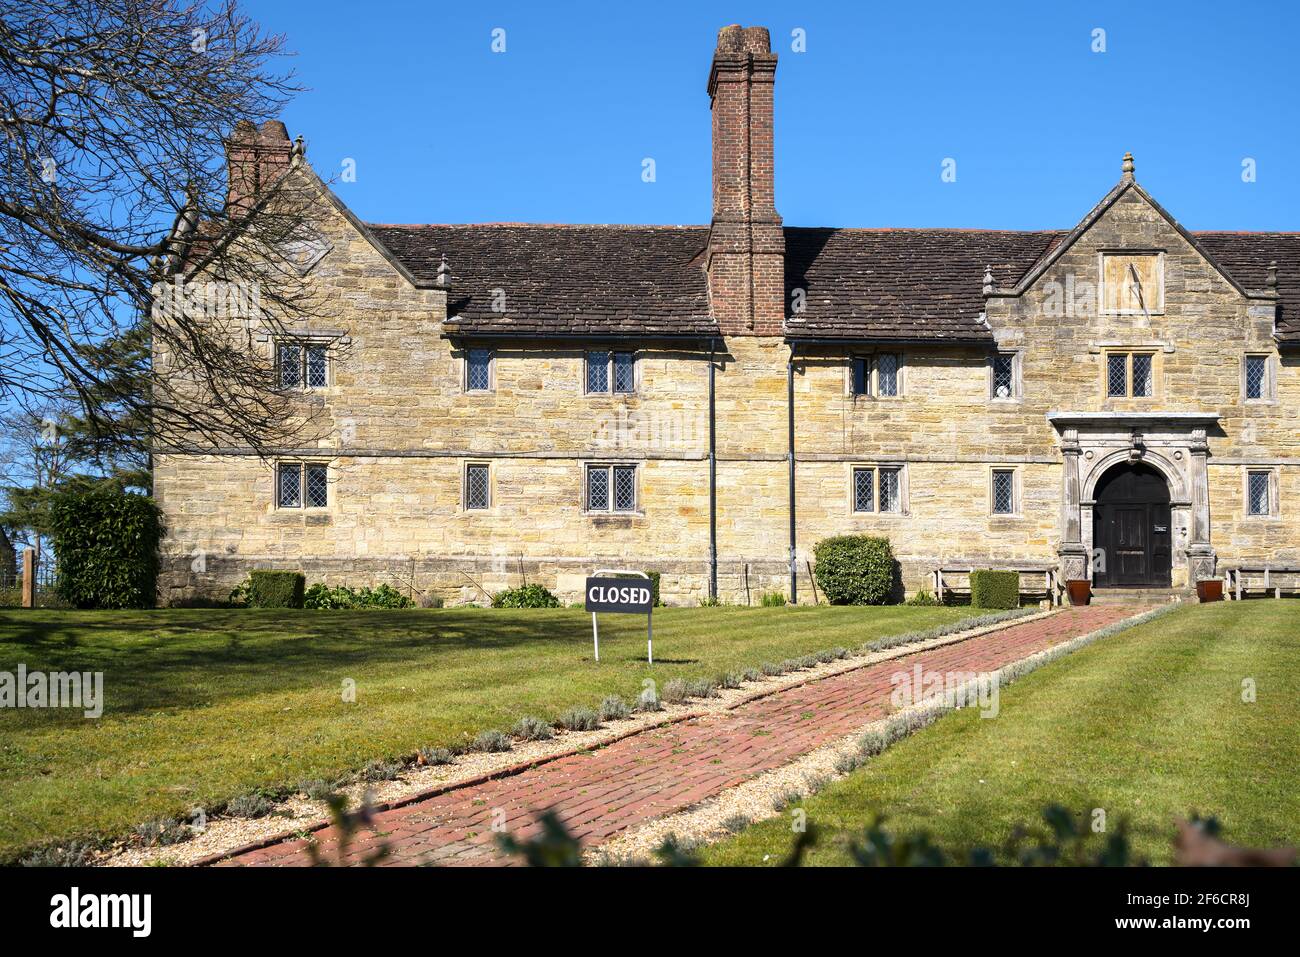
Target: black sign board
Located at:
point(631, 596)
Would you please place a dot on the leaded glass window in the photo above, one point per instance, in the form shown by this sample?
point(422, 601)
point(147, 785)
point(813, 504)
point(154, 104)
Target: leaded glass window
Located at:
point(1004, 376)
point(597, 371)
point(890, 492)
point(864, 493)
point(1257, 484)
point(478, 370)
point(300, 364)
point(289, 359)
point(1256, 377)
point(1004, 491)
point(625, 488)
point(1141, 375)
point(299, 484)
point(1117, 374)
point(317, 370)
point(887, 374)
point(317, 486)
point(611, 488)
point(289, 485)
point(597, 489)
point(477, 489)
point(624, 372)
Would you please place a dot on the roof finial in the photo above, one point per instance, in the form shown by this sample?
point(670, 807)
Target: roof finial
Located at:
point(988, 280)
point(1127, 168)
point(299, 147)
point(1271, 281)
point(444, 272)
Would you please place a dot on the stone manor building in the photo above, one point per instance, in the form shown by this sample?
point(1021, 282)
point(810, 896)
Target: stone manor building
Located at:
point(1118, 401)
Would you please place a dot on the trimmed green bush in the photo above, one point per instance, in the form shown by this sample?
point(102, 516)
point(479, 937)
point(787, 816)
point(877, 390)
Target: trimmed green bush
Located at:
point(855, 569)
point(991, 589)
point(106, 542)
point(268, 588)
point(529, 596)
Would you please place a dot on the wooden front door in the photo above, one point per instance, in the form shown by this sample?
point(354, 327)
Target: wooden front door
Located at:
point(1131, 527)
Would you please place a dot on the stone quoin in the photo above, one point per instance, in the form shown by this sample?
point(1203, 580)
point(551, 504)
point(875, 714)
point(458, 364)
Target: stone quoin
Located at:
point(499, 403)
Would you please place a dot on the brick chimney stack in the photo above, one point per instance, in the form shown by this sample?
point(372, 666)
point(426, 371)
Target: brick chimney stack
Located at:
point(746, 262)
point(255, 158)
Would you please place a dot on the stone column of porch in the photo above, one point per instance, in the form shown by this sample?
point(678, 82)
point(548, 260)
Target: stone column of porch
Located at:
point(1201, 559)
point(1074, 556)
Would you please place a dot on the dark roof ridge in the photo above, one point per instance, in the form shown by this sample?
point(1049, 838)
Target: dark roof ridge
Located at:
point(665, 226)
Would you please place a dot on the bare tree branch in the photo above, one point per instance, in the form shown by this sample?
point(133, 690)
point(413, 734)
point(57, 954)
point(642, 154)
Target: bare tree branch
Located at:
point(117, 118)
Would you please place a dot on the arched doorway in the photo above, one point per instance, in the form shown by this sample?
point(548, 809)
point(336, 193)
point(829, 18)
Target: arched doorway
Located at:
point(1131, 527)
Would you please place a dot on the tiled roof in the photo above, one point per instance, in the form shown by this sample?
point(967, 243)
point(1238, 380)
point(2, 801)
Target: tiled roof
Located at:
point(564, 280)
point(1246, 256)
point(900, 284)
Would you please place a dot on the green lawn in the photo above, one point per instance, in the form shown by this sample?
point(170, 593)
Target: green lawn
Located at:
point(202, 705)
point(1149, 723)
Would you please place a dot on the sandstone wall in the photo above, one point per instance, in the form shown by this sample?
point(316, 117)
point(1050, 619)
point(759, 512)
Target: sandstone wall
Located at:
point(401, 428)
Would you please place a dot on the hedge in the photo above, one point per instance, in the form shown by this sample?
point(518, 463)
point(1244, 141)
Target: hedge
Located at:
point(654, 585)
point(855, 570)
point(106, 544)
point(993, 589)
point(275, 589)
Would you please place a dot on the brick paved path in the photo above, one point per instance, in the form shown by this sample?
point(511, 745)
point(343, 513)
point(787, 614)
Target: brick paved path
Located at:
point(663, 770)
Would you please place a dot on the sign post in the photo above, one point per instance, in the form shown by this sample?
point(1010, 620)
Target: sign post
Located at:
point(624, 597)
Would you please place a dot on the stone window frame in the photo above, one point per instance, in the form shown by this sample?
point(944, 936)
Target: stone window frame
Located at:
point(1269, 392)
point(876, 467)
point(1016, 491)
point(1017, 375)
point(464, 485)
point(1274, 497)
point(610, 362)
point(870, 360)
point(304, 343)
point(492, 370)
point(302, 465)
point(610, 465)
point(1101, 282)
point(1128, 352)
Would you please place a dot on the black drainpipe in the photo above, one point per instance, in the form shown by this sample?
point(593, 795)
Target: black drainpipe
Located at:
point(713, 481)
point(789, 385)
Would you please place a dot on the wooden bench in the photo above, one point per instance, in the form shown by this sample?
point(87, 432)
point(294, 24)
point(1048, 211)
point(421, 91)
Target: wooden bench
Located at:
point(1240, 579)
point(1050, 588)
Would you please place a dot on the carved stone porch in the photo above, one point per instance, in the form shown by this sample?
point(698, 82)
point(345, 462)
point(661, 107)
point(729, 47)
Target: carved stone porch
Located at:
point(1175, 444)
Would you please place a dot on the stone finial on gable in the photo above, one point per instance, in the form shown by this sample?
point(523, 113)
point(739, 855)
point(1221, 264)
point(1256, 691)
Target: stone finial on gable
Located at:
point(1270, 283)
point(299, 150)
point(989, 284)
point(1126, 168)
point(444, 272)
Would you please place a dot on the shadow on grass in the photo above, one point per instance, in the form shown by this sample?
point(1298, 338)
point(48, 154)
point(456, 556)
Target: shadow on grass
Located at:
point(193, 658)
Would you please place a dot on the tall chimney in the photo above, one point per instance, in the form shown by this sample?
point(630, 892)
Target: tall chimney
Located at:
point(746, 262)
point(255, 158)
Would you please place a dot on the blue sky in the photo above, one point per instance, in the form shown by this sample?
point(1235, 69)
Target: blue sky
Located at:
point(555, 128)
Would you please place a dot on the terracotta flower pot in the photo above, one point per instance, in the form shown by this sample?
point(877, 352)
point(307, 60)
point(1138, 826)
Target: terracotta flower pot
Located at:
point(1210, 589)
point(1079, 590)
